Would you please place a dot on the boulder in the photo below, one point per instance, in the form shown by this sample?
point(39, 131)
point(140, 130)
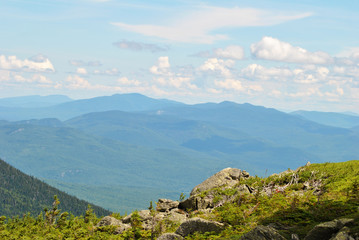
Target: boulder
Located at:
point(198, 225)
point(108, 220)
point(170, 236)
point(228, 176)
point(164, 205)
point(343, 234)
point(262, 233)
point(327, 229)
point(111, 221)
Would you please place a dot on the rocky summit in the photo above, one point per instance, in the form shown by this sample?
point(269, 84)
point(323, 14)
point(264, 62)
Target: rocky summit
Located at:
point(313, 202)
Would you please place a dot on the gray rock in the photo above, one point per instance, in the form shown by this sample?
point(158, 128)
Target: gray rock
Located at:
point(108, 220)
point(343, 234)
point(262, 233)
point(327, 229)
point(170, 236)
point(228, 176)
point(164, 205)
point(196, 202)
point(144, 215)
point(294, 237)
point(198, 225)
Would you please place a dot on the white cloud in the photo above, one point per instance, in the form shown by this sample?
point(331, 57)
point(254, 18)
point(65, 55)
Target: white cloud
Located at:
point(230, 52)
point(230, 84)
point(256, 71)
point(81, 71)
point(273, 49)
point(108, 72)
point(162, 66)
point(125, 81)
point(165, 76)
point(13, 63)
point(215, 65)
point(77, 82)
point(80, 63)
point(199, 25)
point(234, 52)
point(140, 46)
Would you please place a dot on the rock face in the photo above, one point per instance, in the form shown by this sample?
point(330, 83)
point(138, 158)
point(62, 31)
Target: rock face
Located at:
point(198, 225)
point(327, 229)
point(164, 205)
point(170, 236)
point(106, 221)
point(111, 221)
point(226, 178)
point(263, 233)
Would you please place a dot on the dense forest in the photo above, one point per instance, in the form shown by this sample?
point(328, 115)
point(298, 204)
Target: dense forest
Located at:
point(21, 194)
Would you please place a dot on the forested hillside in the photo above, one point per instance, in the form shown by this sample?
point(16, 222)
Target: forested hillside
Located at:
point(21, 194)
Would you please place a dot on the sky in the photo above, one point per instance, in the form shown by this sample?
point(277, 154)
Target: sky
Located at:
point(288, 55)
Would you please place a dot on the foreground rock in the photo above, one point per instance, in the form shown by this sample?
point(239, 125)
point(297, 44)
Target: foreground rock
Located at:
point(164, 205)
point(198, 225)
point(227, 178)
point(111, 221)
point(263, 233)
point(108, 221)
point(327, 229)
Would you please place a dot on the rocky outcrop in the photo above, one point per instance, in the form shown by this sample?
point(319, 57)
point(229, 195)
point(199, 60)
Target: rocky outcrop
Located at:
point(108, 220)
point(111, 221)
point(262, 233)
point(170, 236)
point(227, 178)
point(327, 229)
point(343, 234)
point(199, 225)
point(164, 205)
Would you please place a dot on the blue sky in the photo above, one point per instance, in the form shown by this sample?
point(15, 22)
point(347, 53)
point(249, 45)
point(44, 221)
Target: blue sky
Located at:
point(283, 54)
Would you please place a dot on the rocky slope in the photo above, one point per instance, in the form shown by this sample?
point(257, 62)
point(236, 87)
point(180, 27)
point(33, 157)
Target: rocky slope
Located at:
point(316, 201)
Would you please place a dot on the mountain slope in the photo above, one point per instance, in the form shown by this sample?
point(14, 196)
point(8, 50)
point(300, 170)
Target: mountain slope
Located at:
point(69, 156)
point(20, 194)
point(330, 118)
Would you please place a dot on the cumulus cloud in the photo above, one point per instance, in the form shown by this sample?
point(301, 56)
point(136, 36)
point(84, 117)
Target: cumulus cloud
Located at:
point(81, 71)
point(199, 25)
point(140, 46)
point(256, 71)
point(218, 66)
point(126, 82)
point(165, 76)
point(27, 65)
point(273, 49)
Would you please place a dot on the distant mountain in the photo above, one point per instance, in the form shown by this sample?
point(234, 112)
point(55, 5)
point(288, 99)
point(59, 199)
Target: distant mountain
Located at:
point(285, 130)
point(34, 101)
point(330, 118)
point(69, 156)
point(125, 102)
point(20, 194)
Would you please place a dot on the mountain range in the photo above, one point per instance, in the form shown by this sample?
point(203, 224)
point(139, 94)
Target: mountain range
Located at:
point(102, 149)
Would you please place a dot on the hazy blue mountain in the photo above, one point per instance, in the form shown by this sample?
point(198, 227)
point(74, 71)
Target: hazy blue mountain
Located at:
point(285, 130)
point(155, 130)
point(125, 102)
point(330, 118)
point(69, 156)
point(34, 101)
